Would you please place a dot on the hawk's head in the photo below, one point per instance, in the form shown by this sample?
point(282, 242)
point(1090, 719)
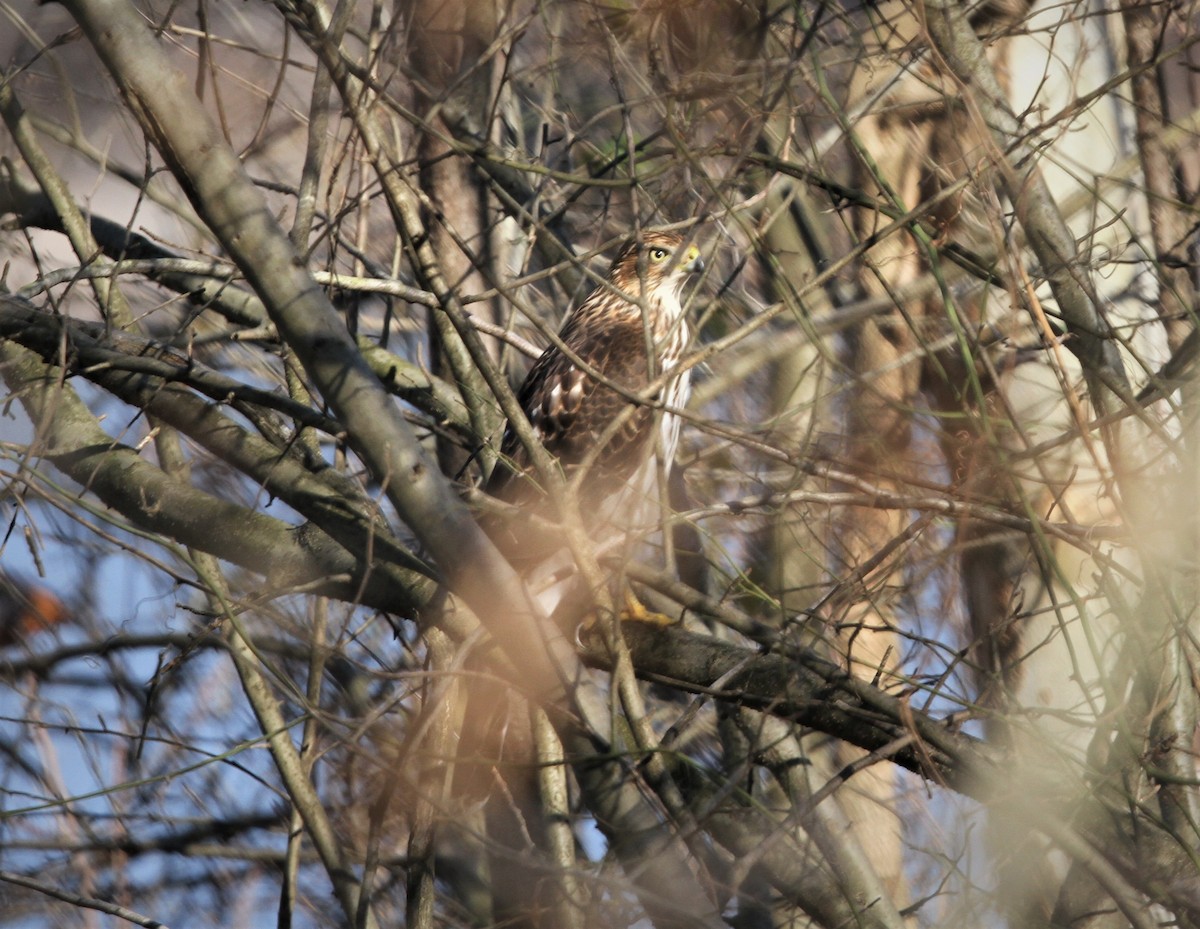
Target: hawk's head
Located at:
point(654, 265)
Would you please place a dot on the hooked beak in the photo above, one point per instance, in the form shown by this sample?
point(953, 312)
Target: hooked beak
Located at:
point(692, 262)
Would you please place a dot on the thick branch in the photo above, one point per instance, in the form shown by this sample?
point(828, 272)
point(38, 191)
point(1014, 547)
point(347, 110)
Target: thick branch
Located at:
point(123, 480)
point(328, 498)
point(812, 691)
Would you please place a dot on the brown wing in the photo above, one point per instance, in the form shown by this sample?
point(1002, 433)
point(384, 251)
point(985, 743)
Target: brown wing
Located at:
point(570, 410)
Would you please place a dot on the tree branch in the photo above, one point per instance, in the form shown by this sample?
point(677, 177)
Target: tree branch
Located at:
point(123, 480)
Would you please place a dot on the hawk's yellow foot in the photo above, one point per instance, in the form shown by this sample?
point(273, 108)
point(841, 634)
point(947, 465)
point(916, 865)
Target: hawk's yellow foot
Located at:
point(635, 612)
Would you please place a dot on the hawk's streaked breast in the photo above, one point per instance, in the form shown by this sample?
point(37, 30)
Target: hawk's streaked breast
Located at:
point(571, 410)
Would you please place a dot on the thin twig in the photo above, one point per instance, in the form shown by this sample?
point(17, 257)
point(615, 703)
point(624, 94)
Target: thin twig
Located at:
point(91, 903)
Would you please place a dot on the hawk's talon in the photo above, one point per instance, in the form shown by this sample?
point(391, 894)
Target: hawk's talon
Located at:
point(635, 612)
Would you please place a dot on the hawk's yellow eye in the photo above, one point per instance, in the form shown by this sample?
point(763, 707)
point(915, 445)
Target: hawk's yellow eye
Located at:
point(658, 254)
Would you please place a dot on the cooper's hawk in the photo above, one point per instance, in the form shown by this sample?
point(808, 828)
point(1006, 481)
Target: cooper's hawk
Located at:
point(628, 333)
